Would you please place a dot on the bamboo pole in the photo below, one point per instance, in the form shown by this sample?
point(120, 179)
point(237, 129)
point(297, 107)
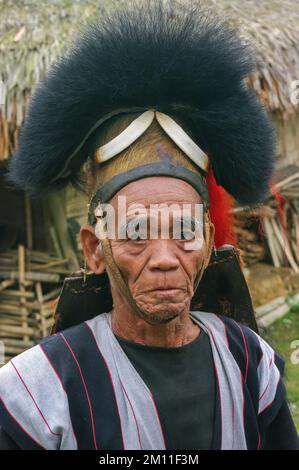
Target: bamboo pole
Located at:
point(51, 264)
point(23, 331)
point(51, 295)
point(5, 284)
point(17, 343)
point(39, 295)
point(284, 244)
point(28, 218)
point(57, 207)
point(29, 276)
point(270, 239)
point(24, 313)
point(16, 293)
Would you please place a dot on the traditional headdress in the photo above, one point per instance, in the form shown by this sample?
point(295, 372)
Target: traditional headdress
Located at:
point(177, 67)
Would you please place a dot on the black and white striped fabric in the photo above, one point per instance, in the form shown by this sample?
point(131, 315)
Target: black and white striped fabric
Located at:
point(78, 390)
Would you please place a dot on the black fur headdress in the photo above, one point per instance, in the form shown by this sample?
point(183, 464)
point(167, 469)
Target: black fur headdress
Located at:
point(181, 62)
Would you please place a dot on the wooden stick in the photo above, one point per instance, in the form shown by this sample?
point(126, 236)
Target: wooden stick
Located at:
point(286, 180)
point(39, 294)
point(55, 241)
point(17, 342)
point(28, 217)
point(23, 331)
point(295, 250)
point(270, 238)
point(11, 351)
point(51, 264)
point(43, 257)
point(51, 295)
point(14, 320)
point(29, 276)
point(17, 293)
point(5, 284)
point(269, 307)
point(284, 244)
point(56, 204)
point(24, 313)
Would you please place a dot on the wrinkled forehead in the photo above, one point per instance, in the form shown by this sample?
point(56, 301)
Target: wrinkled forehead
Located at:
point(157, 190)
point(151, 183)
point(150, 206)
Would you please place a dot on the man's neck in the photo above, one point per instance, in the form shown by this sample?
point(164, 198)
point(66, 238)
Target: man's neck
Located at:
point(177, 332)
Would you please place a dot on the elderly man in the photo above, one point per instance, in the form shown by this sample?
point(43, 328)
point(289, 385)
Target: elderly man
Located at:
point(154, 102)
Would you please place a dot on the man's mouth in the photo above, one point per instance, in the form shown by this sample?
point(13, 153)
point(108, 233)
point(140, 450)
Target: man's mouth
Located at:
point(166, 290)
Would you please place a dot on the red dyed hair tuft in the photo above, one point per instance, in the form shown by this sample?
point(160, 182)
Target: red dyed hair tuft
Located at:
point(220, 204)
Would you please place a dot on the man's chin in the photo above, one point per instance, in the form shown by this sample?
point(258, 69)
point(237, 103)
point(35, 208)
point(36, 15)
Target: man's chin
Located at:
point(159, 314)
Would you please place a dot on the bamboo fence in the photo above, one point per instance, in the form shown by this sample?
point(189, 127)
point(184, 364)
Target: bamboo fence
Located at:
point(30, 283)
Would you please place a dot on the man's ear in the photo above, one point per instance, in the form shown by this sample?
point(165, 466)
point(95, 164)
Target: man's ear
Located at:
point(92, 249)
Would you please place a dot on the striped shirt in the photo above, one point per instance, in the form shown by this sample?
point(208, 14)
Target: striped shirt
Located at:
point(78, 390)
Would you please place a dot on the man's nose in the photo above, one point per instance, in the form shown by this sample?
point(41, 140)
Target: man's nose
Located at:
point(163, 256)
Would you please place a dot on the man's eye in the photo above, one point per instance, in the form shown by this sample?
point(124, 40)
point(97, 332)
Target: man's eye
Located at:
point(187, 235)
point(138, 238)
point(136, 231)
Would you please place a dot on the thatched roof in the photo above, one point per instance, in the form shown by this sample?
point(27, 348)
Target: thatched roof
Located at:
point(34, 33)
point(272, 27)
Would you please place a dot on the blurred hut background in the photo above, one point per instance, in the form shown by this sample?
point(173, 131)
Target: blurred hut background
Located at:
point(39, 238)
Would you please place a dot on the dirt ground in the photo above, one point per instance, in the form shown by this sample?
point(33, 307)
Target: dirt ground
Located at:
point(266, 282)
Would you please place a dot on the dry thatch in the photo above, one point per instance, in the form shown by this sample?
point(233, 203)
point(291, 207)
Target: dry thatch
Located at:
point(272, 26)
point(34, 33)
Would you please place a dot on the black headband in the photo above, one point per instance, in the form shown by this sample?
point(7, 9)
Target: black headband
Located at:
point(111, 187)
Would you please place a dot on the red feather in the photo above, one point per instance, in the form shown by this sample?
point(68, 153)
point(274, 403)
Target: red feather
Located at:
point(220, 204)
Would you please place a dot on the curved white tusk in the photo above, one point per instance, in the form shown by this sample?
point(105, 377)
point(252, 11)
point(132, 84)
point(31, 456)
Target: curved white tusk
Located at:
point(182, 140)
point(125, 138)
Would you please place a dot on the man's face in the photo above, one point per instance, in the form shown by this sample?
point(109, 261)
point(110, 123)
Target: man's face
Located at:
point(159, 273)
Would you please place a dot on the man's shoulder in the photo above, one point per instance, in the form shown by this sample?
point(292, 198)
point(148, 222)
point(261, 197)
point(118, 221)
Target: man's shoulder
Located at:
point(34, 407)
point(227, 324)
point(29, 358)
point(36, 357)
point(241, 329)
point(239, 338)
point(54, 339)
